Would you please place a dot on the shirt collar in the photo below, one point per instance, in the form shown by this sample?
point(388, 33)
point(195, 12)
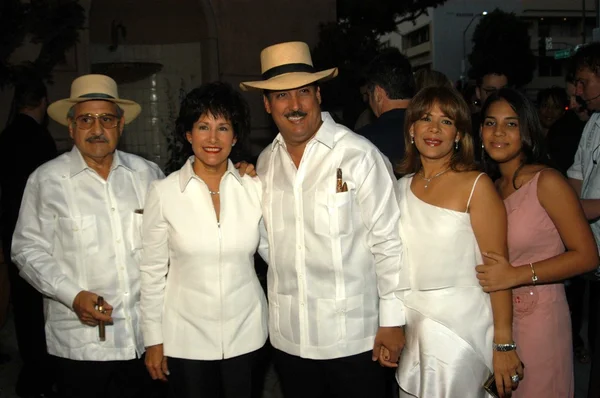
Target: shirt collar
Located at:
point(77, 164)
point(325, 135)
point(186, 174)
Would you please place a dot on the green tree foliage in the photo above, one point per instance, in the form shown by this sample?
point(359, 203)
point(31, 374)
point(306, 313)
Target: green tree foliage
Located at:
point(54, 24)
point(351, 43)
point(501, 44)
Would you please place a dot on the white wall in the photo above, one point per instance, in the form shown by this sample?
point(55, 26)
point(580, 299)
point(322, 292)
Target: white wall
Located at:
point(159, 94)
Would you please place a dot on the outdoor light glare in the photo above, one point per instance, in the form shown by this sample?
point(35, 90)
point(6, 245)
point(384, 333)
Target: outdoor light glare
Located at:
point(484, 13)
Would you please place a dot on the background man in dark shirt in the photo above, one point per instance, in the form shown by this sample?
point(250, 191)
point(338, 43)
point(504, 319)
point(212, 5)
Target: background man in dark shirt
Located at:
point(491, 80)
point(390, 86)
point(24, 145)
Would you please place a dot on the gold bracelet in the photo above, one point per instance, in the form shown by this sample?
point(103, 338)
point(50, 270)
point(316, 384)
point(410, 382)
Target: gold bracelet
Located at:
point(534, 277)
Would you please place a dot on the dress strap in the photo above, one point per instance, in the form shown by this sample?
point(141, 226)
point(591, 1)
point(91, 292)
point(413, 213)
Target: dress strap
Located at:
point(473, 190)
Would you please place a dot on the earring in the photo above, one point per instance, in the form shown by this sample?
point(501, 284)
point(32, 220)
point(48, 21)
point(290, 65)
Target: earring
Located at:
point(455, 144)
point(482, 146)
point(233, 144)
point(412, 139)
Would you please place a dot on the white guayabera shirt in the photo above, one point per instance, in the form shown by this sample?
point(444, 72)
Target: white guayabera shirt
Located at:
point(77, 231)
point(335, 258)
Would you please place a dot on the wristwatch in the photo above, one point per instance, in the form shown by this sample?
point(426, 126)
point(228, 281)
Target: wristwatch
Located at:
point(504, 347)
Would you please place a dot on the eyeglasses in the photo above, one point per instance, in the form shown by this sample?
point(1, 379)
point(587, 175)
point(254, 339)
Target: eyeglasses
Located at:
point(107, 121)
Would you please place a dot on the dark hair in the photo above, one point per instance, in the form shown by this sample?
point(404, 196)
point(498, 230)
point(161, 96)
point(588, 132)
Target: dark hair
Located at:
point(530, 128)
point(391, 71)
point(314, 84)
point(588, 56)
point(429, 77)
point(29, 93)
point(220, 100)
point(454, 106)
point(557, 94)
point(492, 68)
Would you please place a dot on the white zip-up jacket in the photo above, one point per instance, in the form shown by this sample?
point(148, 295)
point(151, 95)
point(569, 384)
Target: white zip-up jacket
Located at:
point(200, 296)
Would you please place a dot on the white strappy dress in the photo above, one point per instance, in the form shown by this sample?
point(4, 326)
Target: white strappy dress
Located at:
point(449, 325)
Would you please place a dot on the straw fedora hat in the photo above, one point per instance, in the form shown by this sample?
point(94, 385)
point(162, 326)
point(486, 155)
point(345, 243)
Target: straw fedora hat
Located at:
point(285, 66)
point(88, 88)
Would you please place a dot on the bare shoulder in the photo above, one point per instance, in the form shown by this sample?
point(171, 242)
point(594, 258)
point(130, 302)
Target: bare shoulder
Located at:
point(552, 182)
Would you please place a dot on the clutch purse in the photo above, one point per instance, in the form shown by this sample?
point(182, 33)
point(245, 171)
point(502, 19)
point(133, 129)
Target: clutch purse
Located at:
point(490, 386)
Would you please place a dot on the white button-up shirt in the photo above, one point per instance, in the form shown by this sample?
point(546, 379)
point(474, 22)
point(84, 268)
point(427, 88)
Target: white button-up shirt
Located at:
point(77, 231)
point(210, 305)
point(585, 167)
point(335, 264)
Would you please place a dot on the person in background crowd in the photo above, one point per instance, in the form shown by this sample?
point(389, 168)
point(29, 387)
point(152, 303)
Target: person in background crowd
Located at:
point(366, 116)
point(563, 140)
point(490, 81)
point(549, 240)
point(552, 103)
point(78, 238)
point(336, 275)
point(450, 214)
point(25, 144)
point(204, 313)
point(584, 177)
point(390, 86)
point(429, 77)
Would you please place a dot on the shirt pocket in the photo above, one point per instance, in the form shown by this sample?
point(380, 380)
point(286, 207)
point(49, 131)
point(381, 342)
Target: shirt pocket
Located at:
point(135, 230)
point(79, 233)
point(333, 214)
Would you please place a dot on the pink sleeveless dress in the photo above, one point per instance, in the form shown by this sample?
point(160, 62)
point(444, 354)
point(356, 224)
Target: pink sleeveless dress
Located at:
point(541, 322)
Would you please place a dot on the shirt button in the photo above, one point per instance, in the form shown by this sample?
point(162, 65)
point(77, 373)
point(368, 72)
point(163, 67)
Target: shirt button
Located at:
point(126, 293)
point(122, 268)
point(112, 208)
point(299, 247)
point(118, 240)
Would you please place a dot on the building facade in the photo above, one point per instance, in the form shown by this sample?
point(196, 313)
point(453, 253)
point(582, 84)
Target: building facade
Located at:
point(441, 40)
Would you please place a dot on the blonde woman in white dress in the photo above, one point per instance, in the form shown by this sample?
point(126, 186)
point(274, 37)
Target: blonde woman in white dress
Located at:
point(450, 215)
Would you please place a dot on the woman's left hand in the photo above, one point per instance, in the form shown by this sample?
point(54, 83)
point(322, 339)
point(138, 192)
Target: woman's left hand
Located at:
point(506, 365)
point(498, 276)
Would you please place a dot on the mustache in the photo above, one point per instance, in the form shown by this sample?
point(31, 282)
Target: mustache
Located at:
point(97, 138)
point(296, 114)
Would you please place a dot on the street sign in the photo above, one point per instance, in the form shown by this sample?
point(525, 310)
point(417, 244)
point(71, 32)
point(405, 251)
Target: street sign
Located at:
point(560, 54)
point(548, 43)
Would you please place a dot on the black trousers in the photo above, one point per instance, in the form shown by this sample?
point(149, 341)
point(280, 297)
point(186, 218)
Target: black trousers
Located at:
point(356, 376)
point(238, 377)
point(103, 379)
point(36, 375)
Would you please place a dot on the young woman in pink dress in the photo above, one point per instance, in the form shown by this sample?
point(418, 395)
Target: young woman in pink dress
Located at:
point(549, 240)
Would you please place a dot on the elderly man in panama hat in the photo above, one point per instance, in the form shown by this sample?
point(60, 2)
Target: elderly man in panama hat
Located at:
point(336, 276)
point(78, 239)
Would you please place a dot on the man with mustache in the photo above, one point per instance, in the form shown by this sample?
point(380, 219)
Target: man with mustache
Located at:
point(78, 238)
point(335, 277)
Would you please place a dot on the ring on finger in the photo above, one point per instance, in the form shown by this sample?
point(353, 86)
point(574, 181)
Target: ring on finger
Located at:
point(515, 378)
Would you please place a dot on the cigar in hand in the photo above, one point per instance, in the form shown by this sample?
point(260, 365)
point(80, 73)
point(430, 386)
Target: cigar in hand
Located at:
point(339, 183)
point(101, 326)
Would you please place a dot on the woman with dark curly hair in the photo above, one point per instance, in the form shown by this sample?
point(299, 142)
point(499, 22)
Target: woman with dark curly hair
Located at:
point(202, 305)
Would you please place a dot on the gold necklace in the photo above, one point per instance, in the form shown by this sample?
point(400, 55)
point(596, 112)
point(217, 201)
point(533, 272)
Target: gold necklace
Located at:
point(428, 180)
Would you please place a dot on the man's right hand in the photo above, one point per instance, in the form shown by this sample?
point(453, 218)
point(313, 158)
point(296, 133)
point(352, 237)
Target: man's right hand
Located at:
point(156, 362)
point(85, 308)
